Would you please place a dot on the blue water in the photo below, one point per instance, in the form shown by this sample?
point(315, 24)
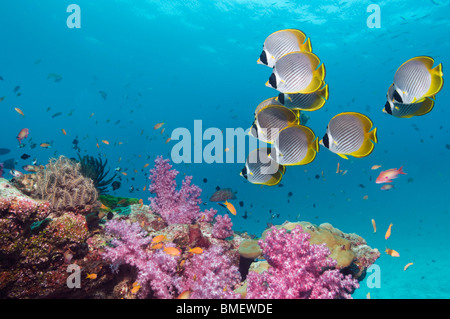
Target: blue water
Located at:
point(180, 61)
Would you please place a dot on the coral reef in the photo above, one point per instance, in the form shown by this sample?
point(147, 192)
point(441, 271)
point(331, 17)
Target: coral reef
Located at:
point(62, 184)
point(1, 169)
point(165, 250)
point(94, 168)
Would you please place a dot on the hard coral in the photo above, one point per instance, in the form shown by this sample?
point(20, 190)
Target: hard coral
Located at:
point(297, 269)
point(62, 184)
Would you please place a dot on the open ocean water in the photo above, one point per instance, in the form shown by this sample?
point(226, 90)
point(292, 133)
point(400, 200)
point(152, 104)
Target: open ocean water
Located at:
point(132, 64)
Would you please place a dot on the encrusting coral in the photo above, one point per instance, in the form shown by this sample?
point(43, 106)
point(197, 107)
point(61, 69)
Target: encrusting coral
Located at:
point(62, 184)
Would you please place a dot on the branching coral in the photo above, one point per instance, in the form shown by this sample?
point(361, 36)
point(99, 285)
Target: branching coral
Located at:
point(94, 168)
point(62, 184)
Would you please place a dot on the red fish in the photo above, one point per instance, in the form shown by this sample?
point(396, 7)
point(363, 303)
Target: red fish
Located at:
point(22, 135)
point(389, 175)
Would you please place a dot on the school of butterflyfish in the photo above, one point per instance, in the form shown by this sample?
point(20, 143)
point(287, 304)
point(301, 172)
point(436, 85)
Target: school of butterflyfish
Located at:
point(299, 77)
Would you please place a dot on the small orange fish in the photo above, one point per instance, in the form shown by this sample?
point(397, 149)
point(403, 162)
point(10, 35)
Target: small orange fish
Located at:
point(158, 239)
point(104, 207)
point(144, 188)
point(23, 134)
point(374, 226)
point(123, 173)
point(135, 288)
point(163, 129)
point(366, 197)
point(173, 251)
point(141, 202)
point(196, 250)
point(388, 232)
point(230, 207)
point(226, 150)
point(168, 140)
point(146, 165)
point(407, 266)
point(184, 295)
point(92, 114)
point(91, 276)
point(64, 131)
point(344, 172)
point(98, 146)
point(106, 142)
point(158, 125)
point(337, 169)
point(157, 246)
point(392, 252)
point(375, 167)
point(19, 111)
point(45, 145)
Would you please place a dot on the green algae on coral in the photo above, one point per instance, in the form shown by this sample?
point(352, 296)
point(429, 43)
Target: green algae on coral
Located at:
point(114, 202)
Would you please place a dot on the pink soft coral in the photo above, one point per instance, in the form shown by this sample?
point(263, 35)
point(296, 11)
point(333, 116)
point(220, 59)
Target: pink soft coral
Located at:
point(156, 269)
point(222, 227)
point(298, 269)
point(175, 207)
point(210, 275)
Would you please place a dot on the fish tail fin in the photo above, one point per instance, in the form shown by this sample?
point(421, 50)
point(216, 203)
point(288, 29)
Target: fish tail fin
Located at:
point(323, 92)
point(437, 80)
point(373, 135)
point(400, 171)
